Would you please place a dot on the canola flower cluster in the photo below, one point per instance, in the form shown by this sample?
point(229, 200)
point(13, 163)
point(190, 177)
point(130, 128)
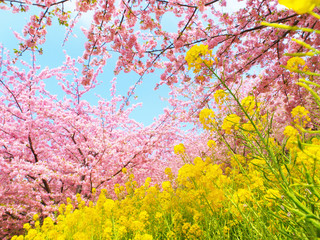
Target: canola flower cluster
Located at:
point(198, 56)
point(231, 122)
point(207, 118)
point(220, 97)
point(296, 63)
point(179, 149)
point(300, 116)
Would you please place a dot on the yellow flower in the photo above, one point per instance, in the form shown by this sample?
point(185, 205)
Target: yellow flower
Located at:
point(35, 217)
point(256, 180)
point(249, 104)
point(79, 199)
point(122, 231)
point(300, 6)
point(47, 224)
point(248, 127)
point(32, 234)
point(69, 209)
point(131, 176)
point(166, 185)
point(300, 115)
point(195, 232)
point(257, 162)
point(69, 201)
point(236, 160)
point(37, 224)
point(26, 226)
point(242, 195)
point(143, 216)
point(230, 122)
point(185, 227)
point(292, 134)
point(137, 226)
point(295, 63)
point(179, 149)
point(197, 56)
point(290, 131)
point(143, 237)
point(211, 143)
point(147, 181)
point(79, 236)
point(109, 205)
point(206, 117)
point(169, 173)
point(219, 97)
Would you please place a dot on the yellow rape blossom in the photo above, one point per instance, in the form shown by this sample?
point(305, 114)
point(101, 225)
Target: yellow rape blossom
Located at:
point(197, 56)
point(219, 97)
point(144, 216)
point(300, 6)
point(35, 217)
point(300, 115)
point(242, 195)
point(147, 182)
point(207, 118)
point(69, 201)
point(32, 234)
point(179, 149)
point(26, 226)
point(236, 160)
point(226, 230)
point(194, 232)
point(295, 63)
point(137, 226)
point(256, 180)
point(78, 196)
point(249, 130)
point(211, 143)
point(249, 104)
point(248, 127)
point(259, 162)
point(169, 173)
point(143, 237)
point(166, 185)
point(290, 131)
point(230, 122)
point(292, 134)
